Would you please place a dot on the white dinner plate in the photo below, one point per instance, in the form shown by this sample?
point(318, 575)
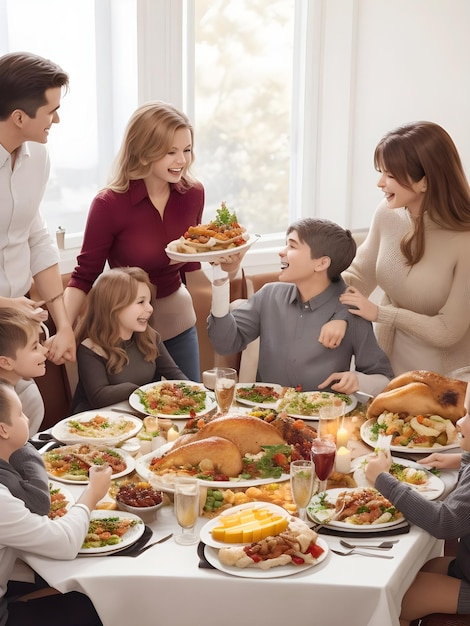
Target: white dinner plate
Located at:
point(432, 489)
point(331, 496)
point(212, 555)
point(210, 256)
point(166, 482)
point(266, 405)
point(56, 486)
point(366, 435)
point(129, 460)
point(206, 531)
point(135, 402)
point(119, 428)
point(290, 410)
point(132, 535)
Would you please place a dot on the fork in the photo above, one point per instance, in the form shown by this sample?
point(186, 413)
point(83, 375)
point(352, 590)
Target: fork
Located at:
point(333, 518)
point(385, 545)
point(354, 551)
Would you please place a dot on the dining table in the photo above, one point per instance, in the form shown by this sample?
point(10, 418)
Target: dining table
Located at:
point(174, 584)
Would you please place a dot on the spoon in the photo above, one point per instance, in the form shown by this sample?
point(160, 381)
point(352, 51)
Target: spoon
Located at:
point(354, 551)
point(385, 545)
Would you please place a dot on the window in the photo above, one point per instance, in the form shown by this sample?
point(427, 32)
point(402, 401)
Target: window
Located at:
point(242, 103)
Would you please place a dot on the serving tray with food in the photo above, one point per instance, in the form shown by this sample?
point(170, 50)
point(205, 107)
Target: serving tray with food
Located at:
point(306, 404)
point(174, 399)
point(359, 509)
point(418, 477)
point(261, 541)
point(110, 533)
point(209, 242)
point(258, 394)
point(96, 426)
point(71, 464)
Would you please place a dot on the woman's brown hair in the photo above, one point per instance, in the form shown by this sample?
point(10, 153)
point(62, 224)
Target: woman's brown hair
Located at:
point(115, 290)
point(147, 139)
point(420, 149)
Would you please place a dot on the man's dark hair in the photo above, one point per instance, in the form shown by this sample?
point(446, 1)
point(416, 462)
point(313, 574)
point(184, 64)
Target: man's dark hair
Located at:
point(24, 79)
point(325, 238)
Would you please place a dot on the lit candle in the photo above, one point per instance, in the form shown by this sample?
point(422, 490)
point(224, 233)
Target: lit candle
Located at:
point(343, 460)
point(342, 437)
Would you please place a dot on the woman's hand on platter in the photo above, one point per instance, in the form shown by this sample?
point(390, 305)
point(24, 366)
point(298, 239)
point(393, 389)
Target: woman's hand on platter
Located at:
point(439, 460)
point(362, 306)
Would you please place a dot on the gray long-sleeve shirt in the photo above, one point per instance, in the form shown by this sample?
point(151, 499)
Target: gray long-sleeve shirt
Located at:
point(444, 519)
point(290, 353)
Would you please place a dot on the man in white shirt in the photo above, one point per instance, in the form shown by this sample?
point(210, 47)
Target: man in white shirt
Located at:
point(30, 93)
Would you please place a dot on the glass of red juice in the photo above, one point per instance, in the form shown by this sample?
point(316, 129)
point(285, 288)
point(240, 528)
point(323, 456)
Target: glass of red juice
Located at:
point(323, 455)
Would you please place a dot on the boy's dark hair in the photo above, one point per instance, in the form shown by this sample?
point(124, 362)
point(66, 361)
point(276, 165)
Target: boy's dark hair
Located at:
point(325, 238)
point(15, 331)
point(24, 79)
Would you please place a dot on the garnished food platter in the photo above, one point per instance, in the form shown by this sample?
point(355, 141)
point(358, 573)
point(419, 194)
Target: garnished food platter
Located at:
point(209, 256)
point(370, 437)
point(135, 530)
point(173, 399)
point(306, 404)
point(265, 395)
point(70, 464)
point(166, 482)
point(211, 555)
point(96, 427)
point(322, 508)
point(416, 476)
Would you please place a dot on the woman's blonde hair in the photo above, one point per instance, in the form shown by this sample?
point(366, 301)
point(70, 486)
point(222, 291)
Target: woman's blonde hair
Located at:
point(115, 290)
point(148, 138)
point(425, 149)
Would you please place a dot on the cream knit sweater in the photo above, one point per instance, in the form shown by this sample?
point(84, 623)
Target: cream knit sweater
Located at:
point(424, 317)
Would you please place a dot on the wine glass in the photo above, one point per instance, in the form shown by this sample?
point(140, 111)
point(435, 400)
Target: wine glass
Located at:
point(187, 509)
point(323, 455)
point(329, 420)
point(302, 477)
point(225, 381)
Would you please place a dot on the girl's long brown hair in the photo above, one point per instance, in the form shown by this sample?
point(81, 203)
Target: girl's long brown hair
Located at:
point(425, 149)
point(115, 290)
point(147, 139)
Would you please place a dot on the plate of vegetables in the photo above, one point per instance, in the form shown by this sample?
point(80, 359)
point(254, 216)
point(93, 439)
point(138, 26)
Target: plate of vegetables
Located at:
point(258, 394)
point(111, 532)
point(174, 399)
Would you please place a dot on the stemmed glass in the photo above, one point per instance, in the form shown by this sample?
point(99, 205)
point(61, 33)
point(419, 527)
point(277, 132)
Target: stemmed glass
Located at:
point(329, 420)
point(323, 455)
point(187, 509)
point(302, 477)
point(225, 381)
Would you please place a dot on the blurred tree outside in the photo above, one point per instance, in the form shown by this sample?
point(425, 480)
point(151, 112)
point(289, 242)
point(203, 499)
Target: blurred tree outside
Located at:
point(243, 91)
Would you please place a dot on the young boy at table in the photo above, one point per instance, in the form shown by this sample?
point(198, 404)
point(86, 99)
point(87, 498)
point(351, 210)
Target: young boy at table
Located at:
point(24, 531)
point(23, 357)
point(443, 583)
point(288, 316)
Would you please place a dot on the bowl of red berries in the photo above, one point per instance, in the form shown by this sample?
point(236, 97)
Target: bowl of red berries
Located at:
point(139, 498)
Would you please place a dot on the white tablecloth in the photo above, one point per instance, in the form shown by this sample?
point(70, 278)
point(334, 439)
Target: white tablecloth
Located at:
point(165, 586)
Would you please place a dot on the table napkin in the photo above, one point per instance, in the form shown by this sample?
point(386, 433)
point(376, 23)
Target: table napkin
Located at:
point(203, 562)
point(135, 547)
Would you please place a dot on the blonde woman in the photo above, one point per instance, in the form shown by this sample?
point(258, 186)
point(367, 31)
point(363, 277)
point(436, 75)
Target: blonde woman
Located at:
point(150, 200)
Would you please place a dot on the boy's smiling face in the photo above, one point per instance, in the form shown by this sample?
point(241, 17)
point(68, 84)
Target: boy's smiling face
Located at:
point(29, 361)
